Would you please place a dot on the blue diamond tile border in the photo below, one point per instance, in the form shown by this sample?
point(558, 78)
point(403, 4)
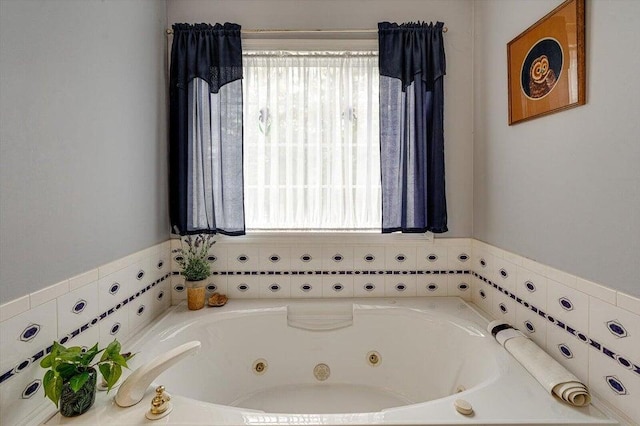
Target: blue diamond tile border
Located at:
point(614, 327)
point(33, 387)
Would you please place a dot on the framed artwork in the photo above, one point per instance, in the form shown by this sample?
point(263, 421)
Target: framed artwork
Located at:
point(546, 64)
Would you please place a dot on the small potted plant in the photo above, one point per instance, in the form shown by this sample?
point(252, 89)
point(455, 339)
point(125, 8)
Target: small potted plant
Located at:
point(71, 377)
point(195, 268)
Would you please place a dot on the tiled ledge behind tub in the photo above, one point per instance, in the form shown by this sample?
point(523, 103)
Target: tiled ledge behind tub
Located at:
point(592, 330)
point(336, 269)
point(114, 300)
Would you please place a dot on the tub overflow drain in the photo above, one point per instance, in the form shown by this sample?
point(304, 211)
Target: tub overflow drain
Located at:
point(259, 366)
point(322, 372)
point(374, 358)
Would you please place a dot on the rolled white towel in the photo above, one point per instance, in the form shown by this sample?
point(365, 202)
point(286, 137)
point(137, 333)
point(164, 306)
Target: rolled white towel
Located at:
point(556, 379)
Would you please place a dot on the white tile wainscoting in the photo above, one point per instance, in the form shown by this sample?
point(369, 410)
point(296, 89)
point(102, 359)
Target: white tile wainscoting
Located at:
point(112, 301)
point(591, 329)
point(337, 267)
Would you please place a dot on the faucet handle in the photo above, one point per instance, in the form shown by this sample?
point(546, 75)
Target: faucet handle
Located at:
point(160, 405)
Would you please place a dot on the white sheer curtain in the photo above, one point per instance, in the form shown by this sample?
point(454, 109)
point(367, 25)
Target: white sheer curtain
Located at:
point(311, 141)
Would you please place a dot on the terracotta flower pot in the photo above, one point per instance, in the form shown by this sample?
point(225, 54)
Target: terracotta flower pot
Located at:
point(195, 294)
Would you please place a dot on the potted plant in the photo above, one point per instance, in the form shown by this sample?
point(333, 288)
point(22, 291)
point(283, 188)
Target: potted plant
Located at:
point(195, 268)
point(71, 376)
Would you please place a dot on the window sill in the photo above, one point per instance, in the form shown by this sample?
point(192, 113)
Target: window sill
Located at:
point(329, 238)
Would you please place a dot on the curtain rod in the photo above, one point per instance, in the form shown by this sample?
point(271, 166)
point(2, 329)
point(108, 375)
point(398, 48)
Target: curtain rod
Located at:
point(279, 31)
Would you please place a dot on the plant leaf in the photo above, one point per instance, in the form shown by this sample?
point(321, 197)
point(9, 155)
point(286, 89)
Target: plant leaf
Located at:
point(116, 372)
point(119, 360)
point(46, 361)
point(88, 356)
point(113, 348)
point(105, 370)
point(77, 381)
point(66, 370)
point(52, 386)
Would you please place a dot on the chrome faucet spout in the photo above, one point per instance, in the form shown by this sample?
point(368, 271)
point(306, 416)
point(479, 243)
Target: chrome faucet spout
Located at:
point(132, 390)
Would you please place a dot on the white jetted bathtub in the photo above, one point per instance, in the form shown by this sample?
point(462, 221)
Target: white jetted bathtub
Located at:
point(361, 361)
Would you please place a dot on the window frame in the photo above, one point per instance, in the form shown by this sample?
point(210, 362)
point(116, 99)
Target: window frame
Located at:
point(329, 237)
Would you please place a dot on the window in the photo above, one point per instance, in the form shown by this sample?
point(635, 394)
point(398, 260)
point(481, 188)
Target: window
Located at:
point(311, 141)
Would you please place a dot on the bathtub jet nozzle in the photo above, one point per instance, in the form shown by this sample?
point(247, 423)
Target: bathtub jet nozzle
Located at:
point(133, 388)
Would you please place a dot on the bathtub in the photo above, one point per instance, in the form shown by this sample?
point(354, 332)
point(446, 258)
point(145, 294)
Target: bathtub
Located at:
point(361, 361)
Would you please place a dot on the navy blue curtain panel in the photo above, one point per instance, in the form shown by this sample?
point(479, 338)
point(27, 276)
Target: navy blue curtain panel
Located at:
point(206, 189)
point(412, 69)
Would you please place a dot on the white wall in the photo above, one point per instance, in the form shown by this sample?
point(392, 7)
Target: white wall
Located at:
point(82, 137)
point(361, 14)
point(562, 189)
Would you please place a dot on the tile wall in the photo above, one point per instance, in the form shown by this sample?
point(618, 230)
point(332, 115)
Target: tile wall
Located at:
point(334, 270)
point(112, 301)
point(592, 330)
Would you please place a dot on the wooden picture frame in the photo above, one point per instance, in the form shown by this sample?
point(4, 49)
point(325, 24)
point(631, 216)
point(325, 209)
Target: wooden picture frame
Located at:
point(546, 64)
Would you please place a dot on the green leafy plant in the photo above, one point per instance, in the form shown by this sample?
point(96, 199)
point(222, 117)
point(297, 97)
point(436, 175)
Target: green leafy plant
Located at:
point(194, 263)
point(72, 365)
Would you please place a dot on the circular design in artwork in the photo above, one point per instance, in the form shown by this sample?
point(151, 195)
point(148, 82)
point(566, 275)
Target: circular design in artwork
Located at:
point(369, 287)
point(541, 68)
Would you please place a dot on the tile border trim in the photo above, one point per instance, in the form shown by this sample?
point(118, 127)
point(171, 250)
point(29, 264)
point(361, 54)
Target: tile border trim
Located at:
point(40, 354)
point(583, 337)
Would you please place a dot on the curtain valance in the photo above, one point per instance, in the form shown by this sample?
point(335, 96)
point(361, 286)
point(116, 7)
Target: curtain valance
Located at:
point(210, 52)
point(403, 52)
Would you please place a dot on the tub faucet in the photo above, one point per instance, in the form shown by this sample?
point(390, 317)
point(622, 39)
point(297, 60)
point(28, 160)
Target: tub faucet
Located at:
point(132, 390)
